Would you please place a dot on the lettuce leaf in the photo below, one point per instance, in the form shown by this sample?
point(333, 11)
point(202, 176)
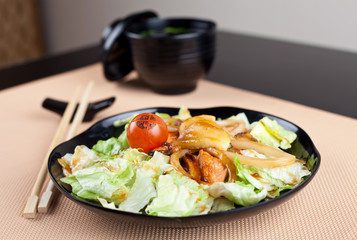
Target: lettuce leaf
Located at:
point(77, 189)
point(105, 179)
point(143, 190)
point(289, 175)
point(239, 193)
point(135, 156)
point(163, 115)
point(111, 146)
point(178, 195)
point(122, 122)
point(272, 186)
point(271, 133)
point(82, 157)
point(310, 163)
point(245, 192)
point(286, 137)
point(141, 193)
point(298, 150)
point(276, 180)
point(123, 139)
point(242, 117)
point(244, 175)
point(183, 113)
point(107, 204)
point(222, 204)
point(260, 133)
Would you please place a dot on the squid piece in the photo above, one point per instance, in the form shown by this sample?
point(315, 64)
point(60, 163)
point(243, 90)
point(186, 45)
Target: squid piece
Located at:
point(172, 136)
point(191, 166)
point(212, 168)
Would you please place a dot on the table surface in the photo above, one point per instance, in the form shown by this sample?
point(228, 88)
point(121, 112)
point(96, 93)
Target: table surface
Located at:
point(325, 209)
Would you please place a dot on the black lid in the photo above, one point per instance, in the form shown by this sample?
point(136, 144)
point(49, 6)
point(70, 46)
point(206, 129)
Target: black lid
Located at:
point(117, 61)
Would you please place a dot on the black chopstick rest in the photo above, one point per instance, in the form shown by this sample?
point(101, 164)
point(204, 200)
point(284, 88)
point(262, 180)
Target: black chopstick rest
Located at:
point(60, 106)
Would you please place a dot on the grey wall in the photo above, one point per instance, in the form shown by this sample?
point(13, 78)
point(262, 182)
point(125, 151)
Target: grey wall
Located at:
point(70, 24)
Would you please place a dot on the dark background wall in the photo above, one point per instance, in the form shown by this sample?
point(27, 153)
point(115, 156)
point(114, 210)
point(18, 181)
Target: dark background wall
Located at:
point(318, 77)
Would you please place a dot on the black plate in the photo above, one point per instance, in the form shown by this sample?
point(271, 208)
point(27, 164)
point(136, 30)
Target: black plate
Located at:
point(104, 129)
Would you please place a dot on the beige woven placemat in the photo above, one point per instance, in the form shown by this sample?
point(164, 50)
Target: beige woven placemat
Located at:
point(325, 209)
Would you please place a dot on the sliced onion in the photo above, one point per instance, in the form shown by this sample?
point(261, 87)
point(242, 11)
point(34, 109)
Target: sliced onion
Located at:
point(280, 158)
point(201, 118)
point(229, 122)
point(175, 161)
point(232, 126)
point(202, 133)
point(238, 129)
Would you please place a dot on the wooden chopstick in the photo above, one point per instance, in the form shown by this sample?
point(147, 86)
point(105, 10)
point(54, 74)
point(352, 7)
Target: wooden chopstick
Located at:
point(31, 205)
point(47, 196)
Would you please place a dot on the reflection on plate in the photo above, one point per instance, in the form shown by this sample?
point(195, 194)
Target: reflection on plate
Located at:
point(105, 129)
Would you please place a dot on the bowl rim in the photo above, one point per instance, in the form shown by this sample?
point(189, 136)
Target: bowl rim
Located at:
point(257, 206)
point(209, 30)
point(174, 55)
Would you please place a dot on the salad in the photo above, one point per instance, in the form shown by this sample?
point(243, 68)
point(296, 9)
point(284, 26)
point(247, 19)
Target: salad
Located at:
point(183, 165)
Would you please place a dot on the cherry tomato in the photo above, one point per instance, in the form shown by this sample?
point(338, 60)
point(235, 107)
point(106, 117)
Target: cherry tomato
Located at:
point(147, 131)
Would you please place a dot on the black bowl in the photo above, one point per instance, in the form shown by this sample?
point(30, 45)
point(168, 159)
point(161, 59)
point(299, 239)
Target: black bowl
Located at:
point(177, 66)
point(163, 61)
point(174, 55)
point(165, 50)
point(105, 129)
point(185, 69)
point(173, 77)
point(173, 45)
